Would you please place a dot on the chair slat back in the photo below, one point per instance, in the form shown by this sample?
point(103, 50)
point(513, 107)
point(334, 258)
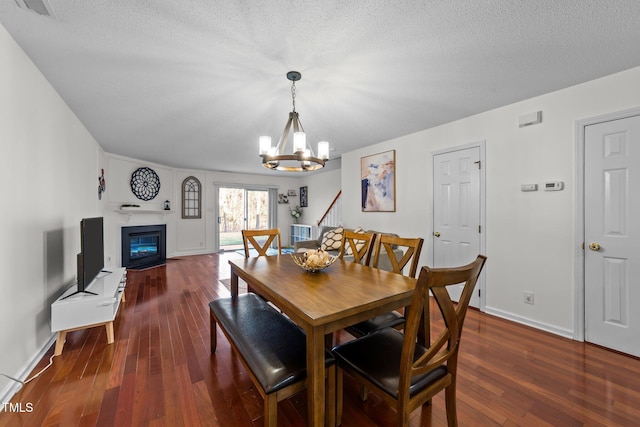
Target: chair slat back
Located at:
point(444, 349)
point(250, 238)
point(412, 246)
point(361, 245)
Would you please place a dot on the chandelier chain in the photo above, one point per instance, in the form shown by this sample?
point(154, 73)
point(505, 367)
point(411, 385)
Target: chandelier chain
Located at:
point(293, 95)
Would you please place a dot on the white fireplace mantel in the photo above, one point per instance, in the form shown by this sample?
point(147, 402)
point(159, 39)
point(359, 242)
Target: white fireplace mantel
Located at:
point(137, 211)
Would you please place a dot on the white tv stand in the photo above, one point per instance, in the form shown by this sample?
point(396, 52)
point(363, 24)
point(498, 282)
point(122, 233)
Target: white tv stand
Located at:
point(85, 310)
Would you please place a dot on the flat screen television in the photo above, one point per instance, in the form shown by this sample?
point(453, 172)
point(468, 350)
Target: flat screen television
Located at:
point(91, 259)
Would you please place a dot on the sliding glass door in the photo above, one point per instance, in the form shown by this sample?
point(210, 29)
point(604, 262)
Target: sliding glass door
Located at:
point(242, 208)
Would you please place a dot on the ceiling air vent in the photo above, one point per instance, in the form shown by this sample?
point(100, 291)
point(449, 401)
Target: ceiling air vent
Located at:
point(41, 7)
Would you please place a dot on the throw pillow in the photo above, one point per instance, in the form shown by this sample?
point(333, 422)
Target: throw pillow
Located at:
point(359, 243)
point(332, 240)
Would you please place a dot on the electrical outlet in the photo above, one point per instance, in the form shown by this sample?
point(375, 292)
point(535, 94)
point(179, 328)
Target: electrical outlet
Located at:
point(528, 297)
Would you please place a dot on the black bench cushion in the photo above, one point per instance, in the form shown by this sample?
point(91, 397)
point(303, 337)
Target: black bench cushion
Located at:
point(364, 356)
point(272, 346)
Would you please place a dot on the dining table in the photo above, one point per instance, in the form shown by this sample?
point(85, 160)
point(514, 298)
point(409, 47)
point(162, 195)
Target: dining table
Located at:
point(322, 303)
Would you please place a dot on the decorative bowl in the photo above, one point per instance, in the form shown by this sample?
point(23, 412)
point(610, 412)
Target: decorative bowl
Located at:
point(311, 264)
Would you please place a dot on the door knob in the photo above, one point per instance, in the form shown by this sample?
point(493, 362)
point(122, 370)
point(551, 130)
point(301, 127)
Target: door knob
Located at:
point(437, 234)
point(594, 247)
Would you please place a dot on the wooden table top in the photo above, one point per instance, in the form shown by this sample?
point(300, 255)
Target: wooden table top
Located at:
point(341, 294)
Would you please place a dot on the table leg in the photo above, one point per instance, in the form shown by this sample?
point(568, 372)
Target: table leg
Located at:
point(234, 284)
point(315, 377)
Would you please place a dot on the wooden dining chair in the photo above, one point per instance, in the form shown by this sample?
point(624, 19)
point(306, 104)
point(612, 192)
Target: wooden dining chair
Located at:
point(407, 374)
point(411, 248)
point(357, 244)
point(251, 238)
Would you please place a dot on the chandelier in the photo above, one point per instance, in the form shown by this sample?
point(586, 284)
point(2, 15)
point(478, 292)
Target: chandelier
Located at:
point(302, 158)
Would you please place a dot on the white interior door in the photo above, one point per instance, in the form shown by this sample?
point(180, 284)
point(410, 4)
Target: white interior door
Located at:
point(612, 234)
point(456, 212)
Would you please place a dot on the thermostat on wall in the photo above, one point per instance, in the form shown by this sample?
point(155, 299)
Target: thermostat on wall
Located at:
point(553, 186)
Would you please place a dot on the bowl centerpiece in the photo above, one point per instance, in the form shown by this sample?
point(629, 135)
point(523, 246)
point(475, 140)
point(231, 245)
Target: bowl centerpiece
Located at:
point(313, 260)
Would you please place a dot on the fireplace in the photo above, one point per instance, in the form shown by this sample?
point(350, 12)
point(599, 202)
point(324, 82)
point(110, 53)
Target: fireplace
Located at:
point(144, 246)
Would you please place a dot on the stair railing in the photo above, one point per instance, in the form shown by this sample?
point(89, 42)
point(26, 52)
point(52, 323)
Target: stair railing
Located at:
point(333, 214)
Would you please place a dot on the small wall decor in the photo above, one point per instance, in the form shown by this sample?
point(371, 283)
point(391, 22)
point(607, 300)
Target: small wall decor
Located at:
point(378, 181)
point(303, 197)
point(145, 183)
point(283, 198)
point(291, 193)
point(167, 205)
point(102, 185)
point(191, 198)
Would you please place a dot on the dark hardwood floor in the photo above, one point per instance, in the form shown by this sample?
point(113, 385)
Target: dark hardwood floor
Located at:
point(160, 372)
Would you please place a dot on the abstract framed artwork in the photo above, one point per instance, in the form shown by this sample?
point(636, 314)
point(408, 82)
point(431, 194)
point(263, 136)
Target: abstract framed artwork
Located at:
point(378, 182)
point(304, 202)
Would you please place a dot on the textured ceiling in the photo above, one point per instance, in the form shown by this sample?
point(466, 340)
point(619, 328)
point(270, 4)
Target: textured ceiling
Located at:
point(192, 84)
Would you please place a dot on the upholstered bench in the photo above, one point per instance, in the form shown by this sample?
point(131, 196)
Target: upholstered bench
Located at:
point(272, 349)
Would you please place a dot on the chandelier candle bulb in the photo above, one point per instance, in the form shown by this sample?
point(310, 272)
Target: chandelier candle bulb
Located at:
point(299, 142)
point(323, 150)
point(265, 145)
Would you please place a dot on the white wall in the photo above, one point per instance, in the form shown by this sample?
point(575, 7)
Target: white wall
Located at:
point(530, 241)
point(49, 166)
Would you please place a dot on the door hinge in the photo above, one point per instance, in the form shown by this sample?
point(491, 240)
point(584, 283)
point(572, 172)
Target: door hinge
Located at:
point(479, 293)
point(479, 163)
point(479, 229)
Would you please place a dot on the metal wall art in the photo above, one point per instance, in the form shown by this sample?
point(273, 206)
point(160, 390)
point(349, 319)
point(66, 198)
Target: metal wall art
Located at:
point(145, 183)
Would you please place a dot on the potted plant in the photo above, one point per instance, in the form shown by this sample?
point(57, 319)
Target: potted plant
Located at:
point(296, 213)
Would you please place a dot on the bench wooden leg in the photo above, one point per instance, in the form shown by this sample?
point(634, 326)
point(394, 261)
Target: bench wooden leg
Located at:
point(212, 333)
point(271, 410)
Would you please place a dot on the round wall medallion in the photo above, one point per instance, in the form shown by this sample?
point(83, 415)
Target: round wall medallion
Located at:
point(145, 183)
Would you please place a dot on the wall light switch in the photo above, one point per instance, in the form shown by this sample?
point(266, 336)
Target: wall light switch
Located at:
point(554, 186)
point(529, 187)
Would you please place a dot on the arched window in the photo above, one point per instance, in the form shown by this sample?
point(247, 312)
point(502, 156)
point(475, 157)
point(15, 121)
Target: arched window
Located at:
point(191, 198)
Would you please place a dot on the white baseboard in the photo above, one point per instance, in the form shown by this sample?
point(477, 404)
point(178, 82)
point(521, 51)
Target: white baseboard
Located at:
point(13, 387)
point(567, 333)
point(188, 252)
